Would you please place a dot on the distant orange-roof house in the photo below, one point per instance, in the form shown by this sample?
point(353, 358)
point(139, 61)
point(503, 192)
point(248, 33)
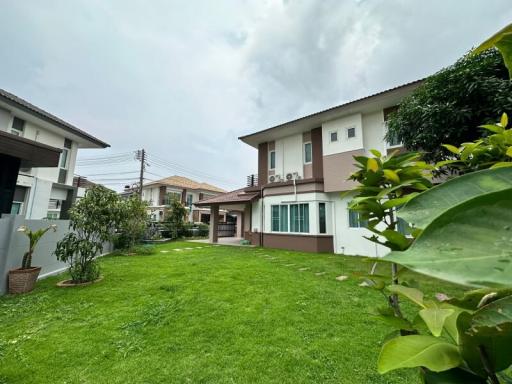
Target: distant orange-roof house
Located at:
point(159, 193)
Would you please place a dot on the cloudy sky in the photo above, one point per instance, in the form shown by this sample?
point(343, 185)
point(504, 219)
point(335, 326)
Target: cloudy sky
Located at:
point(184, 79)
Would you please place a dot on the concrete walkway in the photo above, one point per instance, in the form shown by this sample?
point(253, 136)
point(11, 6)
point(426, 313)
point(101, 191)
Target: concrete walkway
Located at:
point(235, 241)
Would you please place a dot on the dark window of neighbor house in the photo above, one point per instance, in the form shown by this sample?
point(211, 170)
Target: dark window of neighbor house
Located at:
point(189, 200)
point(351, 132)
point(334, 136)
point(322, 218)
point(18, 126)
point(355, 221)
point(307, 153)
point(272, 155)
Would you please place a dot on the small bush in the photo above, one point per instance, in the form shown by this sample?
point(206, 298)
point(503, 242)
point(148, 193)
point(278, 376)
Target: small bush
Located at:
point(146, 249)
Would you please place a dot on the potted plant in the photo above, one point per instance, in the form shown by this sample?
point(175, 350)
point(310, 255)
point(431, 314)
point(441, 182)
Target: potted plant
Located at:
point(22, 280)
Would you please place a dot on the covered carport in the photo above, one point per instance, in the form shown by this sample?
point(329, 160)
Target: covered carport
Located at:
point(237, 203)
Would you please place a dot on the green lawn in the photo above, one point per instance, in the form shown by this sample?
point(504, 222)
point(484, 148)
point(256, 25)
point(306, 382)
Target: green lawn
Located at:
point(207, 315)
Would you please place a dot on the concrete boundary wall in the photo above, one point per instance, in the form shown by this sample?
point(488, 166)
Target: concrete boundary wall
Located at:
point(13, 246)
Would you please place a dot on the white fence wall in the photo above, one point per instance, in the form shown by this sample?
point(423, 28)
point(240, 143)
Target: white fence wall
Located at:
point(13, 246)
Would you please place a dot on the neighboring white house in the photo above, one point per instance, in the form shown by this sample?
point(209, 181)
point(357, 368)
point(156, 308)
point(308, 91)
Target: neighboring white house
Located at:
point(159, 193)
point(43, 192)
point(295, 202)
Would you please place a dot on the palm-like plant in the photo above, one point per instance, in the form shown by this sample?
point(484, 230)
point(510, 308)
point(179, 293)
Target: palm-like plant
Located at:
point(34, 237)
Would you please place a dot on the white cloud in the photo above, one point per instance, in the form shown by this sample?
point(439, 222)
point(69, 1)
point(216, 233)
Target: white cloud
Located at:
point(185, 79)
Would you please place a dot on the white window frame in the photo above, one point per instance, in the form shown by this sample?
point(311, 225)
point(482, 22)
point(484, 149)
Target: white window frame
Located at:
point(388, 145)
point(304, 152)
point(337, 136)
point(355, 133)
point(359, 221)
point(288, 217)
point(16, 131)
point(270, 159)
point(66, 163)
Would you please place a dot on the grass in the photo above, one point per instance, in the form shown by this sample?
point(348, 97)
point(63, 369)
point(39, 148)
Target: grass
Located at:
point(200, 315)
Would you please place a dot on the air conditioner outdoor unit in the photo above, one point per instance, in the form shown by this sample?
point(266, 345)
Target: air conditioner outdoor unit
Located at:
point(275, 178)
point(292, 176)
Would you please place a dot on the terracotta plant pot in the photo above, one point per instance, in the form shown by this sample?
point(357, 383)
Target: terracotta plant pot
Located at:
point(23, 280)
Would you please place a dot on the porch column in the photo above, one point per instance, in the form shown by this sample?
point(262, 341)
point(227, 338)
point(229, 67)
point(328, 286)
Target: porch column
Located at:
point(214, 223)
point(239, 224)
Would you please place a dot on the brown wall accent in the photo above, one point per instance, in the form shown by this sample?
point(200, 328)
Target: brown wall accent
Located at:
point(306, 137)
point(389, 110)
point(306, 243)
point(337, 168)
point(201, 196)
point(271, 145)
point(316, 147)
point(308, 171)
point(195, 216)
point(253, 237)
point(183, 196)
point(262, 163)
point(161, 194)
point(288, 189)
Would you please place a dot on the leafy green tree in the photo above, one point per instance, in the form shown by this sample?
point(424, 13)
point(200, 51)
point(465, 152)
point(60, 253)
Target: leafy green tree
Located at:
point(174, 217)
point(134, 221)
point(448, 106)
point(93, 222)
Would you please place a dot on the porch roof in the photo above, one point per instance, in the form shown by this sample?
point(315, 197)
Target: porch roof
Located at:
point(238, 196)
point(31, 153)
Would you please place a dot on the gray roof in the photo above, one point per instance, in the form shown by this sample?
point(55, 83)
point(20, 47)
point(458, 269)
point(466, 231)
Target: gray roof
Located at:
point(18, 102)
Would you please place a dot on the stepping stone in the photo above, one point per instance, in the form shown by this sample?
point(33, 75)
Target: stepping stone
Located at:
point(289, 265)
point(164, 251)
point(342, 278)
point(177, 249)
point(320, 273)
point(303, 269)
point(188, 248)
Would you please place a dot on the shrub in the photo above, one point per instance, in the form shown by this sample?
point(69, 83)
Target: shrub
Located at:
point(93, 220)
point(133, 221)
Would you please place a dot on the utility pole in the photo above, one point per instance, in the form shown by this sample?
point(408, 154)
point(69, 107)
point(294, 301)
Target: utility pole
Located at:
point(141, 155)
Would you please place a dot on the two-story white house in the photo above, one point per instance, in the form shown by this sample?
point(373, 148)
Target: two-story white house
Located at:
point(159, 193)
point(295, 200)
point(42, 192)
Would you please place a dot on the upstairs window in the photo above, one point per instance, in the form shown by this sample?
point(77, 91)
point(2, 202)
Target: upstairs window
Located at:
point(18, 125)
point(308, 156)
point(189, 200)
point(393, 140)
point(333, 136)
point(351, 133)
point(272, 157)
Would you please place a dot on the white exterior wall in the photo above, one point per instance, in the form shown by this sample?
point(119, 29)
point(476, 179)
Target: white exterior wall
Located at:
point(350, 241)
point(344, 144)
point(289, 156)
point(374, 132)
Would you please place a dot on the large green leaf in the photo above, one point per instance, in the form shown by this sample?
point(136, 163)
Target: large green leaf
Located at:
point(495, 314)
point(491, 41)
point(505, 48)
point(473, 299)
point(469, 244)
point(413, 294)
point(495, 342)
point(426, 206)
point(435, 317)
point(418, 351)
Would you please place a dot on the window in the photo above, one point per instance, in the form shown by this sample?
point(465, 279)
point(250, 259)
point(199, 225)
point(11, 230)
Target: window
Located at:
point(334, 136)
point(272, 155)
point(189, 199)
point(393, 140)
point(299, 218)
point(279, 218)
point(16, 208)
point(170, 196)
point(321, 217)
point(52, 215)
point(403, 227)
point(307, 153)
point(17, 126)
point(63, 164)
point(351, 132)
point(355, 221)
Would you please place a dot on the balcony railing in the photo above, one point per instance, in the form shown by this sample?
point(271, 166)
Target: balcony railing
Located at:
point(252, 180)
